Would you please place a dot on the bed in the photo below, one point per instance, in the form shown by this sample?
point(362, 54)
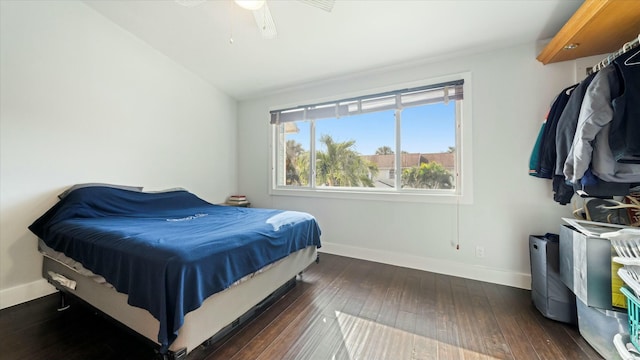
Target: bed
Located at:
point(169, 265)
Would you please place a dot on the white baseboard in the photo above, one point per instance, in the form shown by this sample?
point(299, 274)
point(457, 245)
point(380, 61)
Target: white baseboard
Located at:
point(481, 273)
point(23, 293)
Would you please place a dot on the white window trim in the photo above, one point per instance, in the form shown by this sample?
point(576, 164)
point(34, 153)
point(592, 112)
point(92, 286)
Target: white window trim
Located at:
point(464, 180)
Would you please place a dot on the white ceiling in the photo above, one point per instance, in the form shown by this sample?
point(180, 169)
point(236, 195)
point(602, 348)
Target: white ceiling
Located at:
point(314, 45)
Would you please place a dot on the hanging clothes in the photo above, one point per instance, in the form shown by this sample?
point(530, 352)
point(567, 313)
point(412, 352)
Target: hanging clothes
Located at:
point(543, 155)
point(567, 124)
point(534, 159)
point(590, 148)
point(624, 135)
point(591, 186)
point(565, 132)
point(547, 163)
point(590, 141)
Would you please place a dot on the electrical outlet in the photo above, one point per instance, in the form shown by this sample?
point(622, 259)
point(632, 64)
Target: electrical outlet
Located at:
point(479, 251)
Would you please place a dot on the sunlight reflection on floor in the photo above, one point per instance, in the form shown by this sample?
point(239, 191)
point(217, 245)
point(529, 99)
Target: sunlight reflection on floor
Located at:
point(367, 339)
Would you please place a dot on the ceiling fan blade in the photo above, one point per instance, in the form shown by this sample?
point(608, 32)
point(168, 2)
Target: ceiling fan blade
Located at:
point(190, 3)
point(326, 5)
point(265, 22)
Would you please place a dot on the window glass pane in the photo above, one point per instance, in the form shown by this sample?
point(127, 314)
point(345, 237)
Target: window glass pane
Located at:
point(293, 154)
point(428, 139)
point(355, 144)
point(344, 149)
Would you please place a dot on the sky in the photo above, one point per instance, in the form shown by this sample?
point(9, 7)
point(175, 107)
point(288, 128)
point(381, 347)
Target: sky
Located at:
point(425, 129)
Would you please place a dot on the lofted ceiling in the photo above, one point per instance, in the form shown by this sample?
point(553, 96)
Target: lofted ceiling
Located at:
point(313, 45)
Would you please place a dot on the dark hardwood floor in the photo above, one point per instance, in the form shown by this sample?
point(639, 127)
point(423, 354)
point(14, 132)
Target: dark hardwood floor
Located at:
point(342, 309)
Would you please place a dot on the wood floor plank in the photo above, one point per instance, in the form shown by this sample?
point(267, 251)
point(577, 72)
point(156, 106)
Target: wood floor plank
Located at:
point(311, 283)
point(573, 346)
point(309, 280)
point(337, 341)
point(542, 343)
point(334, 296)
point(373, 303)
point(229, 347)
point(507, 317)
point(425, 340)
point(342, 308)
point(581, 343)
point(448, 339)
point(570, 349)
point(403, 342)
point(391, 335)
point(494, 344)
point(384, 323)
point(332, 343)
point(494, 341)
point(362, 330)
point(471, 343)
point(291, 321)
point(405, 325)
point(304, 345)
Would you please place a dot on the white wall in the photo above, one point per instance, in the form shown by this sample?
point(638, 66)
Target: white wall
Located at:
point(511, 93)
point(81, 100)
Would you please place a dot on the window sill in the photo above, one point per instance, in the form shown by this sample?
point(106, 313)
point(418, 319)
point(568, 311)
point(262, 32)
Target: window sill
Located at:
point(372, 195)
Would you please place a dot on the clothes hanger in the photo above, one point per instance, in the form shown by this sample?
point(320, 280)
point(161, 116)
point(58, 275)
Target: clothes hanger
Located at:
point(633, 63)
point(632, 45)
point(625, 48)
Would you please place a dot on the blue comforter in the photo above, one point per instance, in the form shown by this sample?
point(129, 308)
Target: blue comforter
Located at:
point(170, 251)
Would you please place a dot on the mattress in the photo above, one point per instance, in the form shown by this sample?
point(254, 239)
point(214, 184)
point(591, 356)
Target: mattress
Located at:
point(77, 267)
point(217, 312)
point(169, 251)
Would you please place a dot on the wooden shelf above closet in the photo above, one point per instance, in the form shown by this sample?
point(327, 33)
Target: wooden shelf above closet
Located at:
point(597, 27)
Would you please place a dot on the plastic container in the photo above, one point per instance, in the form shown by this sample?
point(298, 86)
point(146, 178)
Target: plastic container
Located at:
point(626, 242)
point(598, 327)
point(630, 274)
point(625, 349)
point(633, 313)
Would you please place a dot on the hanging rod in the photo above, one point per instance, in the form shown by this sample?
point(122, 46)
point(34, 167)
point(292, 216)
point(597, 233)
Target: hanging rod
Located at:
point(606, 61)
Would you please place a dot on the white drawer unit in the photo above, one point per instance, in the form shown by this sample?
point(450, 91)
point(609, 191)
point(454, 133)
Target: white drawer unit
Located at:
point(585, 267)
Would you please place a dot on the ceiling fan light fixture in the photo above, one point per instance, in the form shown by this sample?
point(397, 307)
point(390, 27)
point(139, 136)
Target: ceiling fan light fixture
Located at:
point(250, 4)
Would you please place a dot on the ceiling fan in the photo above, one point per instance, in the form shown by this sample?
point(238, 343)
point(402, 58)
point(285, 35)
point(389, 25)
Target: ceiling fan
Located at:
point(262, 14)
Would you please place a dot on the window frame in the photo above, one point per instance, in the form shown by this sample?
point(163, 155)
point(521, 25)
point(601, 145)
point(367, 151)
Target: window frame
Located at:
point(463, 193)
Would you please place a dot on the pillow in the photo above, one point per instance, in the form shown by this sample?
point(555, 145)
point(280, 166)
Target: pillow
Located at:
point(79, 186)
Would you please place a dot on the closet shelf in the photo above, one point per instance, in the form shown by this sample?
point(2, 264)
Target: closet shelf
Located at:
point(598, 27)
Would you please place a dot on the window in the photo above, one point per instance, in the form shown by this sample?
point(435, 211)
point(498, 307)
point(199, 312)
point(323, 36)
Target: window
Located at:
point(404, 141)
